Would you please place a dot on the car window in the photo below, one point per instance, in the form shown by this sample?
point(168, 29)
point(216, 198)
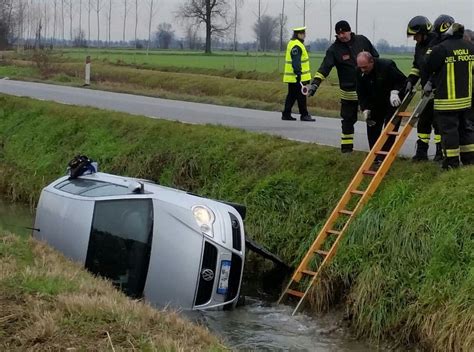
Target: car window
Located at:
point(92, 188)
point(120, 242)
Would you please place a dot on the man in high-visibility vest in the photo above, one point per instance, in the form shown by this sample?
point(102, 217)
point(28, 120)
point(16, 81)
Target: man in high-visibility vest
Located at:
point(451, 62)
point(297, 74)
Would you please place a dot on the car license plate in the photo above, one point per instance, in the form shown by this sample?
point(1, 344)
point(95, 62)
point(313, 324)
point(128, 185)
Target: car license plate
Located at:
point(223, 286)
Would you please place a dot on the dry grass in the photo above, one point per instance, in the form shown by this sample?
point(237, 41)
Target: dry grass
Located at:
point(50, 303)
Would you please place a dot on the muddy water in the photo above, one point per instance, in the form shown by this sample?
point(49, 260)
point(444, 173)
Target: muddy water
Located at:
point(258, 325)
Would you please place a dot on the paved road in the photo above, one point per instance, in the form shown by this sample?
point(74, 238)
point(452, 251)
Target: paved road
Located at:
point(324, 131)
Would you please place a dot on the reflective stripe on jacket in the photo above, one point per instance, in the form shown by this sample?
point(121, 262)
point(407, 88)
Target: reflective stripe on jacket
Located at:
point(452, 61)
point(289, 74)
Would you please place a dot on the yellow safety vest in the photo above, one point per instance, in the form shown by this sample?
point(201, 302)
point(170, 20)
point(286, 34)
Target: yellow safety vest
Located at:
point(288, 75)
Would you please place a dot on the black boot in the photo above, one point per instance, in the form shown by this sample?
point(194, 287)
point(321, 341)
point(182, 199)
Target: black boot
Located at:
point(347, 148)
point(306, 117)
point(287, 117)
point(421, 153)
point(439, 152)
point(450, 163)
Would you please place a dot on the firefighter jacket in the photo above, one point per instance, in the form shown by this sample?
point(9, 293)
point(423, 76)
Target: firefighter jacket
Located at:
point(417, 71)
point(374, 88)
point(296, 62)
point(452, 62)
point(343, 56)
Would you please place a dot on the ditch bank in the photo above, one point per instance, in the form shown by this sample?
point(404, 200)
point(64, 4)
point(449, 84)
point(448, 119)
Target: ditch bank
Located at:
point(404, 270)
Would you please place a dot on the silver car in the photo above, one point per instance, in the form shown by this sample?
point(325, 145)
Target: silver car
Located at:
point(166, 245)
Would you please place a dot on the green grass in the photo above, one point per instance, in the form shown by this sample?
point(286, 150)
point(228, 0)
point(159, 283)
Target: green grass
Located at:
point(405, 270)
point(49, 303)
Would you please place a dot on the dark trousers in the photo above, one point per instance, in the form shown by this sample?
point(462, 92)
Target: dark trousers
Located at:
point(349, 110)
point(457, 135)
point(294, 94)
point(427, 123)
point(381, 119)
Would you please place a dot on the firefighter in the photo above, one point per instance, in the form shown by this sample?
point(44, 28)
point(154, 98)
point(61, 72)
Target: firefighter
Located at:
point(380, 87)
point(420, 28)
point(451, 62)
point(297, 74)
point(342, 54)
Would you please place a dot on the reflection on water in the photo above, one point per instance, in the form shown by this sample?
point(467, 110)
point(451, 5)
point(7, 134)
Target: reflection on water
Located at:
point(15, 218)
point(263, 327)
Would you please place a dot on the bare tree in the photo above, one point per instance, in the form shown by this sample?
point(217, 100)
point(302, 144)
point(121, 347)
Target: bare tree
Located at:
point(266, 30)
point(89, 9)
point(71, 35)
point(136, 23)
point(109, 22)
point(98, 8)
point(55, 4)
point(124, 18)
point(213, 13)
point(62, 20)
point(150, 19)
point(80, 17)
point(164, 35)
point(192, 38)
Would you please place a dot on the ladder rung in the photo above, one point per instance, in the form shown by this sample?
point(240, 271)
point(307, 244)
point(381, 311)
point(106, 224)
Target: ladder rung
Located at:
point(369, 172)
point(334, 232)
point(381, 152)
point(347, 212)
point(309, 272)
point(295, 293)
point(360, 193)
point(322, 253)
point(405, 113)
point(393, 133)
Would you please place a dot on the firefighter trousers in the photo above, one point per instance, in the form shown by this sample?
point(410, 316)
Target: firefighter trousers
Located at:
point(457, 136)
point(381, 119)
point(427, 123)
point(349, 110)
point(294, 94)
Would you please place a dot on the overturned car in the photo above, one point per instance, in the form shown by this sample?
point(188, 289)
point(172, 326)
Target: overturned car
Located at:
point(165, 245)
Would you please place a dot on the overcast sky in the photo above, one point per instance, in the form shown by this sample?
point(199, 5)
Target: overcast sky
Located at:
point(378, 19)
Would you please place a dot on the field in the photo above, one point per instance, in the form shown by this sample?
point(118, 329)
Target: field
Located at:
point(254, 83)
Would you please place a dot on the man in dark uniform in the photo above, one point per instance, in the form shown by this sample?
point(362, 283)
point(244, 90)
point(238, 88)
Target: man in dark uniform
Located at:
point(451, 62)
point(342, 54)
point(420, 28)
point(379, 83)
point(297, 73)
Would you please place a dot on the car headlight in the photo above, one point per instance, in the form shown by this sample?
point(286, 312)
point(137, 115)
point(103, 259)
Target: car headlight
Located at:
point(204, 218)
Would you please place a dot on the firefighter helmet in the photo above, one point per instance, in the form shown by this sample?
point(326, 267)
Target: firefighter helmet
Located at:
point(419, 25)
point(442, 24)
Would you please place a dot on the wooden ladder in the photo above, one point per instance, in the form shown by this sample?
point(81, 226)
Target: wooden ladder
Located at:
point(361, 188)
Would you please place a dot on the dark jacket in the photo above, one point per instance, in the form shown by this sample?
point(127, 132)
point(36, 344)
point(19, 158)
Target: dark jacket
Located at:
point(451, 62)
point(418, 71)
point(374, 88)
point(343, 56)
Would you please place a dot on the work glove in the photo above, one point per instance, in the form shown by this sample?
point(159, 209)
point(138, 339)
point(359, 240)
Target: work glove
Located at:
point(428, 88)
point(367, 118)
point(298, 78)
point(408, 87)
point(312, 88)
point(395, 99)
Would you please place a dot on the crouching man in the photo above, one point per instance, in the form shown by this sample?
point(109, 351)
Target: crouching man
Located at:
point(379, 83)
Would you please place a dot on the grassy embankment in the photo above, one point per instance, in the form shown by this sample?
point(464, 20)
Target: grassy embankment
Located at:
point(50, 303)
point(404, 271)
point(252, 82)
